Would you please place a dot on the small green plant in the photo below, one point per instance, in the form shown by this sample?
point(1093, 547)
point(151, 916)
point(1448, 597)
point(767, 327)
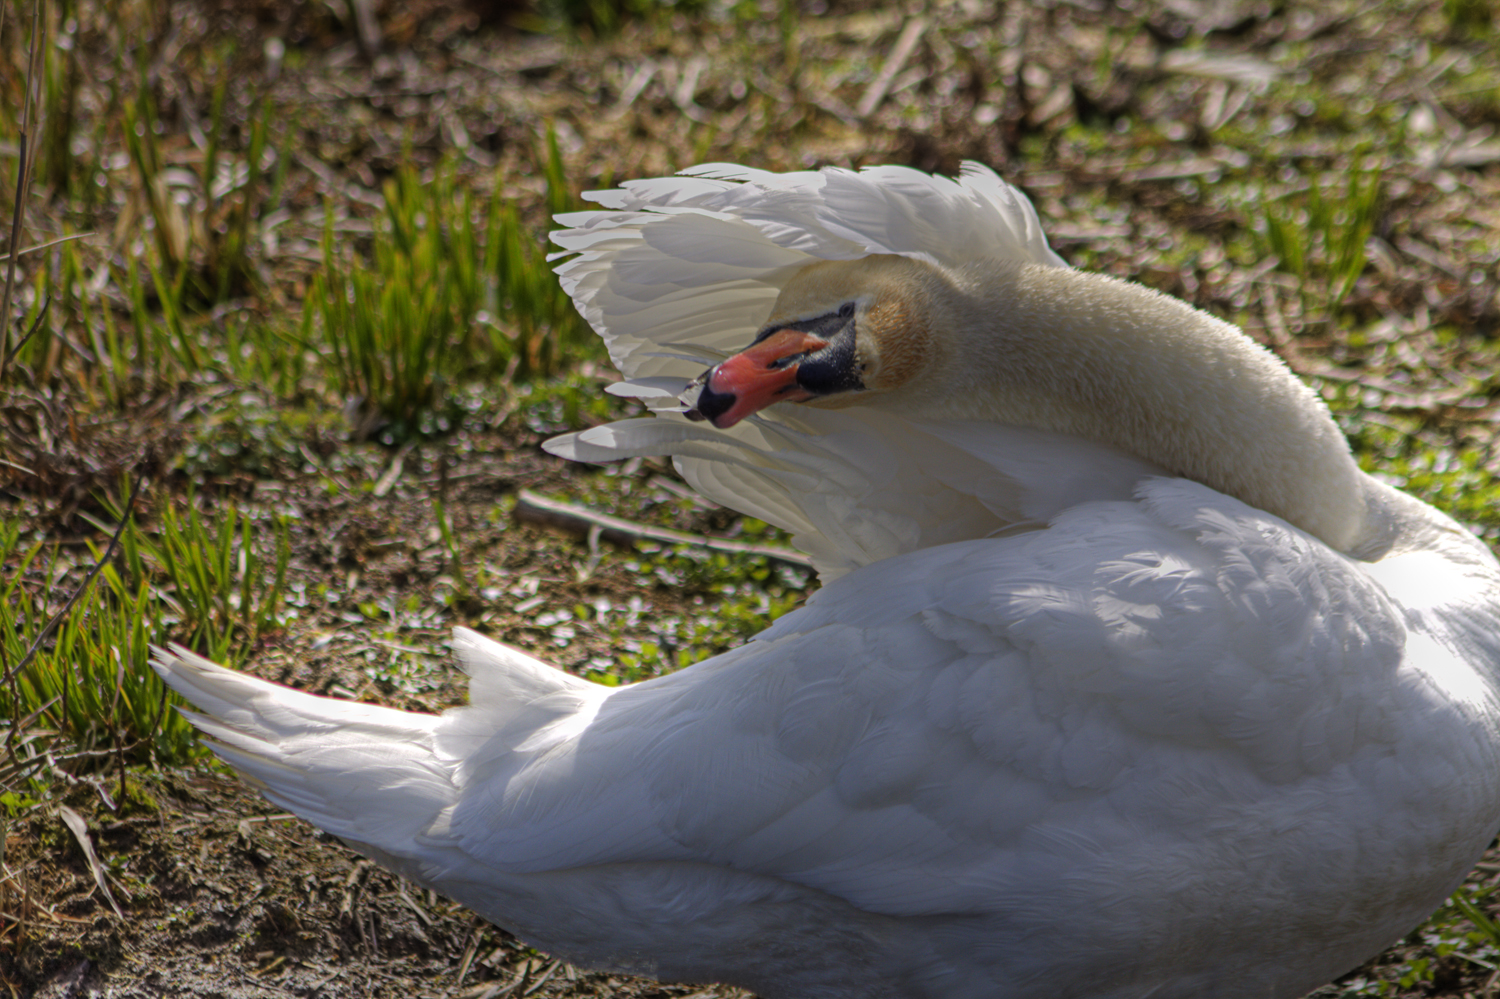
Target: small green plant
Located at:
point(88, 683)
point(202, 245)
point(1317, 235)
point(1485, 929)
point(61, 77)
point(451, 292)
point(392, 327)
point(271, 355)
point(465, 588)
point(77, 670)
point(220, 589)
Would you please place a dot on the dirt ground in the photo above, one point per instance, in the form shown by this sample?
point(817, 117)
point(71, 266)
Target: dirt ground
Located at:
point(225, 898)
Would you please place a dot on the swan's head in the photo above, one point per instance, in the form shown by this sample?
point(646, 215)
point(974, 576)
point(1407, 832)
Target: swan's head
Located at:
point(841, 331)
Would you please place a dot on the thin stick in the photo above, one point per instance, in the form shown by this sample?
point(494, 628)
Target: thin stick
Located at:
point(470, 949)
point(910, 35)
point(24, 913)
point(41, 317)
point(554, 513)
point(51, 243)
point(23, 187)
point(10, 267)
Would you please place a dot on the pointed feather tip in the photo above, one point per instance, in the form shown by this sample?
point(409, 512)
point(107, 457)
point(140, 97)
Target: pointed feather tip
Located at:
point(482, 658)
point(579, 446)
point(614, 441)
point(724, 171)
point(648, 388)
point(573, 448)
point(180, 666)
point(610, 197)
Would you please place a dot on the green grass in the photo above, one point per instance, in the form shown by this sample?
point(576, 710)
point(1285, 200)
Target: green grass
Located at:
point(218, 581)
point(90, 686)
point(205, 580)
point(735, 596)
point(1318, 231)
point(457, 288)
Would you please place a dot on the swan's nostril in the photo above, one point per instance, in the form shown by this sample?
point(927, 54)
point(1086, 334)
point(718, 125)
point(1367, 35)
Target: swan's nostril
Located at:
point(711, 405)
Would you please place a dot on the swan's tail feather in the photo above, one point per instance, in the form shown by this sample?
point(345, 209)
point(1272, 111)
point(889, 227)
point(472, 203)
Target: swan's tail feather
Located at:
point(367, 774)
point(505, 679)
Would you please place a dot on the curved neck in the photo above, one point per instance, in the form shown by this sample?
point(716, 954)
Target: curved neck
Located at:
point(1096, 357)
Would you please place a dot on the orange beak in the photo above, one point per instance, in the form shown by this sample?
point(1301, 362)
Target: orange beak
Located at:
point(753, 379)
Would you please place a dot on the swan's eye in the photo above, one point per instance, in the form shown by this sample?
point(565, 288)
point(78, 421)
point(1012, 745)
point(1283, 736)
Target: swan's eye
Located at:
point(846, 311)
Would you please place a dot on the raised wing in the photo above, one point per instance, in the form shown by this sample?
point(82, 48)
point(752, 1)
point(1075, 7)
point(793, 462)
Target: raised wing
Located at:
point(693, 263)
point(681, 272)
point(854, 486)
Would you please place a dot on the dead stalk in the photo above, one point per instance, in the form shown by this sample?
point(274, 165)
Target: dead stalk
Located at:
point(25, 152)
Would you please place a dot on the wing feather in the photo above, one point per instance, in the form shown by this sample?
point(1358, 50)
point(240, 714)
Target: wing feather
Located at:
point(678, 273)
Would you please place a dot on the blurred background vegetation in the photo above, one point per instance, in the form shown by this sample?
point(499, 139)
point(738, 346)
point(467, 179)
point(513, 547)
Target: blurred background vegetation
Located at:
point(282, 338)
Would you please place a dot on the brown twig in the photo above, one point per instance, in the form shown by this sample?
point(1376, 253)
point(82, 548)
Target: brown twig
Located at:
point(470, 949)
point(120, 765)
point(51, 243)
point(161, 712)
point(537, 985)
point(41, 318)
point(536, 509)
point(905, 44)
point(16, 727)
point(23, 186)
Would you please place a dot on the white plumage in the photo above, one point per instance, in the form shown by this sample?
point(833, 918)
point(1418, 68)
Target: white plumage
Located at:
point(1062, 721)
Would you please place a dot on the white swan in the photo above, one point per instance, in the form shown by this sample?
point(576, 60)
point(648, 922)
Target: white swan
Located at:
point(1124, 682)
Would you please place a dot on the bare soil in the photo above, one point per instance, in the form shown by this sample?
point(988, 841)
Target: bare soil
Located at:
point(227, 899)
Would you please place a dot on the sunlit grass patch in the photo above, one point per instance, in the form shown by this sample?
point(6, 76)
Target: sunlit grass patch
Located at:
point(573, 399)
point(79, 672)
point(454, 289)
point(732, 598)
point(1461, 483)
point(1319, 235)
point(223, 587)
point(87, 691)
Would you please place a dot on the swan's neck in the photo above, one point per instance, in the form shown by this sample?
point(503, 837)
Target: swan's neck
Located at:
point(1093, 356)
